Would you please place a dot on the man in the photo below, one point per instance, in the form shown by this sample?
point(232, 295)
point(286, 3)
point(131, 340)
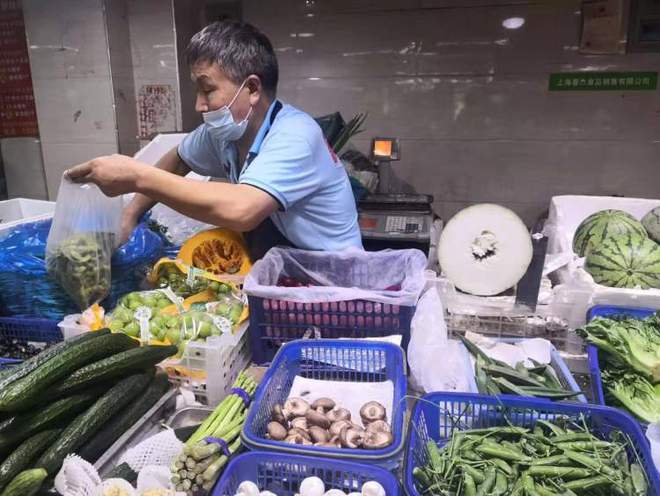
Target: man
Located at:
point(286, 186)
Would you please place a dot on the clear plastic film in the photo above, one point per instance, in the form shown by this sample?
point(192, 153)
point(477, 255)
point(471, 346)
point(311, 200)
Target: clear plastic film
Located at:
point(82, 239)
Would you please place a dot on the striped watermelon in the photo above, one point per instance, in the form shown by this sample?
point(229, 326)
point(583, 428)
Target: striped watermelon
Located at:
point(651, 223)
point(625, 261)
point(601, 225)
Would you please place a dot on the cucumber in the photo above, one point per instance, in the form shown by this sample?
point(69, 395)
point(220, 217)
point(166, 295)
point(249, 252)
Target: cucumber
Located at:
point(25, 454)
point(122, 471)
point(61, 410)
point(18, 371)
point(27, 483)
point(132, 360)
point(29, 390)
point(113, 429)
point(79, 431)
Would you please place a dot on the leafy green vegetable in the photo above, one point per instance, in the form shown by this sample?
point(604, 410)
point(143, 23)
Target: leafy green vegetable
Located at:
point(632, 341)
point(634, 392)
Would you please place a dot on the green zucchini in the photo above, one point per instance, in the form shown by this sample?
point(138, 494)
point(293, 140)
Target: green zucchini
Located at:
point(122, 471)
point(91, 420)
point(27, 483)
point(23, 456)
point(21, 370)
point(29, 390)
point(132, 360)
point(122, 421)
point(61, 410)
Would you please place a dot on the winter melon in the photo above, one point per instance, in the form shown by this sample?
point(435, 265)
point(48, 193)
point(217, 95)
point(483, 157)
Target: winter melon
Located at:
point(625, 261)
point(651, 223)
point(602, 225)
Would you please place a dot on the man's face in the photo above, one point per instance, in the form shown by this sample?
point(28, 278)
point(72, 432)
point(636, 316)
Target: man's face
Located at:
point(215, 90)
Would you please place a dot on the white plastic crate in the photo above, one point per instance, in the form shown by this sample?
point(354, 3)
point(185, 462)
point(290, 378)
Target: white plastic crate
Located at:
point(21, 210)
point(210, 368)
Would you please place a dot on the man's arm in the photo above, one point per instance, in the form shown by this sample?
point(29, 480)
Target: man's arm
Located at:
point(238, 207)
point(170, 162)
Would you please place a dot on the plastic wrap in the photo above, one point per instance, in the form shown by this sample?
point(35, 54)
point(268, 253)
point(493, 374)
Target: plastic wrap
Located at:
point(393, 277)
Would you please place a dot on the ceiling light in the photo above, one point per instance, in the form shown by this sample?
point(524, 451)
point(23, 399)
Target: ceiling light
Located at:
point(513, 22)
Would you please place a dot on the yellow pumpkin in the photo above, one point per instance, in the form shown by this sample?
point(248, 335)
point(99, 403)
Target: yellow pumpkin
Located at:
point(218, 251)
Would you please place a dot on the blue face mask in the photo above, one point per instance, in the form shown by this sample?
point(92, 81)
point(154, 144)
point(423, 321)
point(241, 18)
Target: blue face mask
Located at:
point(221, 124)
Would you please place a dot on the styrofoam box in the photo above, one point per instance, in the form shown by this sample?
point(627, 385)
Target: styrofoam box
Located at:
point(210, 368)
point(21, 210)
point(566, 214)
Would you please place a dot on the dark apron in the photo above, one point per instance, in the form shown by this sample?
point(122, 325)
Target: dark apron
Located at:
point(266, 235)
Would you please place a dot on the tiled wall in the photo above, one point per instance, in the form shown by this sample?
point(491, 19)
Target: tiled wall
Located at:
point(153, 51)
point(469, 98)
point(72, 87)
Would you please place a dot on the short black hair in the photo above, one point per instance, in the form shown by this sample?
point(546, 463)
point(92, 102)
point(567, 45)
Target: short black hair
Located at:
point(239, 48)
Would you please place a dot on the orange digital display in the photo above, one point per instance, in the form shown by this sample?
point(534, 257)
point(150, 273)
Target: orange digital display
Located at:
point(382, 148)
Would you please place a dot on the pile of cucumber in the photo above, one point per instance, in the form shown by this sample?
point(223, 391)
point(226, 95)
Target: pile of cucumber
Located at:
point(77, 396)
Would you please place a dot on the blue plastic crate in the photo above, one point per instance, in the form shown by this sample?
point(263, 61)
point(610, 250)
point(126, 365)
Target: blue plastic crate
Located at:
point(559, 365)
point(30, 329)
point(592, 351)
point(437, 415)
point(329, 360)
point(275, 322)
point(282, 474)
point(9, 362)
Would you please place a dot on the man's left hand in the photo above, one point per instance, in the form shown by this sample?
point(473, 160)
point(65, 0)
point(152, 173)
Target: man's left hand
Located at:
point(114, 174)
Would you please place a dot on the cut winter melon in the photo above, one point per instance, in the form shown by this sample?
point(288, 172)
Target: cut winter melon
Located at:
point(651, 223)
point(601, 225)
point(626, 261)
point(485, 249)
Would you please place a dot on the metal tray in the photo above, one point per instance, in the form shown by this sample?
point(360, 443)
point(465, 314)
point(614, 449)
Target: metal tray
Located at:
point(186, 417)
point(149, 424)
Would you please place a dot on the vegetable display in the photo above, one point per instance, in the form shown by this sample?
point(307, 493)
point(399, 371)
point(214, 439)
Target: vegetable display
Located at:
point(183, 280)
point(496, 377)
point(81, 394)
point(630, 362)
point(553, 458)
point(313, 486)
point(208, 449)
point(325, 424)
point(485, 249)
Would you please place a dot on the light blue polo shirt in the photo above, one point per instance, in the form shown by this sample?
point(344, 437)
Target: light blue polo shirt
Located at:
point(291, 161)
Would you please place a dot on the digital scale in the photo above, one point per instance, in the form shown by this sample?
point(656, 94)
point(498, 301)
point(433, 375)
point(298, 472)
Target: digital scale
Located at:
point(393, 220)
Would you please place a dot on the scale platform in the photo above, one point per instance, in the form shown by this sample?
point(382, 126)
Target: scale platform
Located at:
point(396, 221)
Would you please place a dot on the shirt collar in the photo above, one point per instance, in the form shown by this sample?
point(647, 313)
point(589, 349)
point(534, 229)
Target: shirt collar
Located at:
point(263, 130)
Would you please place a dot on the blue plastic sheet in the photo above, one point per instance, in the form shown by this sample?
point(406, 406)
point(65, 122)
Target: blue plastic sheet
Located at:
point(27, 290)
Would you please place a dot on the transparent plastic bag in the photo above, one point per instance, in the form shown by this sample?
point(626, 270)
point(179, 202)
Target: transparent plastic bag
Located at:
point(394, 277)
point(81, 241)
point(428, 341)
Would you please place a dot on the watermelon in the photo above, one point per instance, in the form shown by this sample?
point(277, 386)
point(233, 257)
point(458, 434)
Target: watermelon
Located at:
point(651, 223)
point(601, 225)
point(625, 261)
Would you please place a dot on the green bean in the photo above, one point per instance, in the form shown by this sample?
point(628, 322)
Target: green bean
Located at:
point(555, 429)
point(421, 477)
point(552, 460)
point(501, 484)
point(502, 465)
point(502, 453)
point(572, 436)
point(588, 483)
point(590, 463)
point(470, 488)
point(510, 387)
point(488, 483)
point(584, 445)
point(563, 472)
point(640, 486)
point(510, 375)
point(437, 462)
